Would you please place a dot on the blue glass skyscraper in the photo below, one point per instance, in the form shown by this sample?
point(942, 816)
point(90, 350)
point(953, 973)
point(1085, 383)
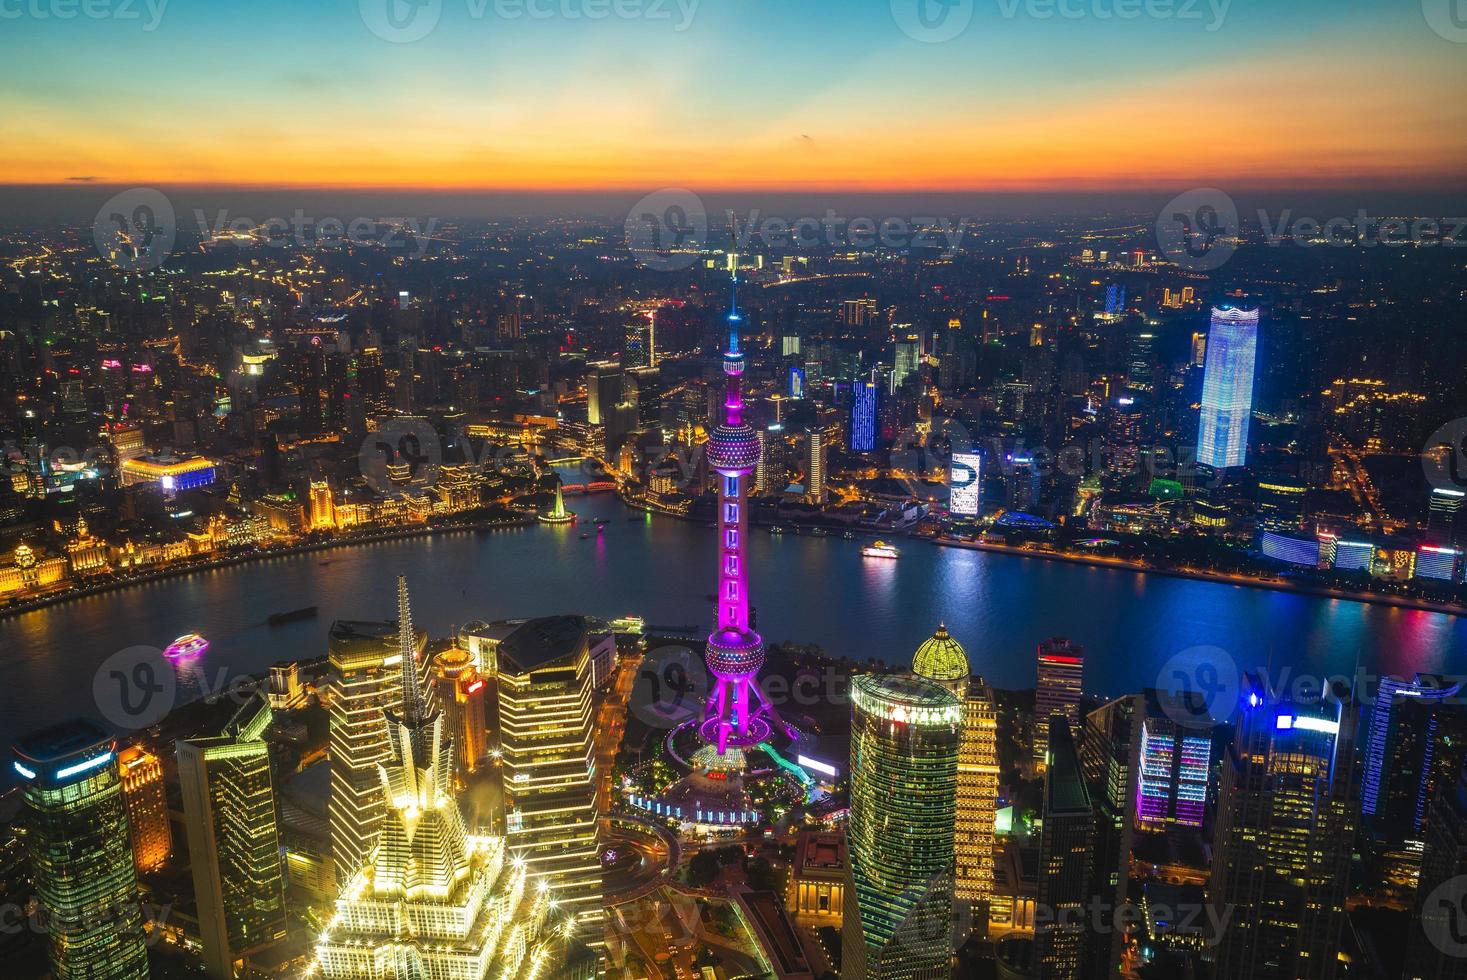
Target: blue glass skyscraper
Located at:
point(863, 417)
point(1227, 388)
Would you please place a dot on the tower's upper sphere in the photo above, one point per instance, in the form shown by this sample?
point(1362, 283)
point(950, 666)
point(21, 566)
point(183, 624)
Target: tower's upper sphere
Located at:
point(733, 448)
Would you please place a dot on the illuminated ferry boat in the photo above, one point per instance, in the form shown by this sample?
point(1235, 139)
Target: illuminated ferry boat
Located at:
point(880, 549)
point(188, 645)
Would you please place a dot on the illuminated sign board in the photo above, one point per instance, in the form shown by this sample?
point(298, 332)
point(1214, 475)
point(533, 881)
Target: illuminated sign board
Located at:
point(815, 765)
point(965, 492)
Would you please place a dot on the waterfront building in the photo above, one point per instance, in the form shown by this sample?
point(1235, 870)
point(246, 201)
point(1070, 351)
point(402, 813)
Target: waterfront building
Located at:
point(943, 660)
point(1285, 828)
point(172, 473)
point(365, 678)
point(433, 900)
point(1066, 840)
point(78, 844)
point(1058, 692)
point(1227, 388)
point(905, 737)
point(322, 514)
point(147, 807)
point(816, 461)
point(863, 417)
point(1443, 518)
point(736, 711)
point(1280, 505)
point(545, 678)
point(229, 809)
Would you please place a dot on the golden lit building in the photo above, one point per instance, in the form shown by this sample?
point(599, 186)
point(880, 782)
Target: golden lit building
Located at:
point(461, 696)
point(818, 879)
point(172, 473)
point(942, 659)
point(28, 572)
point(86, 554)
point(147, 807)
point(322, 506)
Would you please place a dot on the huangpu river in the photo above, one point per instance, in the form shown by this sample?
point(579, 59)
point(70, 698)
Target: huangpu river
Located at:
point(806, 590)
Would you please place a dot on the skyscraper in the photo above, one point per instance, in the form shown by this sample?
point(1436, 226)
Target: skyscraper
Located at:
point(546, 722)
point(233, 839)
point(1065, 859)
point(943, 660)
point(1061, 668)
point(461, 694)
point(1285, 828)
point(1227, 388)
point(863, 417)
point(905, 737)
point(1175, 761)
point(1400, 748)
point(736, 708)
point(366, 670)
point(78, 846)
point(769, 476)
point(1436, 941)
point(147, 807)
point(603, 391)
point(637, 344)
point(433, 901)
point(815, 460)
point(1110, 757)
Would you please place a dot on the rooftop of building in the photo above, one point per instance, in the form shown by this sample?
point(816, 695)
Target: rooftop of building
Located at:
point(537, 643)
point(941, 658)
point(819, 854)
point(65, 740)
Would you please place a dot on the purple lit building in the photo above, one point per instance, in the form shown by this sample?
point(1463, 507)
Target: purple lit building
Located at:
point(737, 715)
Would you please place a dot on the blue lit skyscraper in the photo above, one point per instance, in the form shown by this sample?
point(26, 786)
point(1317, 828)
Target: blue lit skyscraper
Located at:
point(1399, 751)
point(1227, 388)
point(863, 417)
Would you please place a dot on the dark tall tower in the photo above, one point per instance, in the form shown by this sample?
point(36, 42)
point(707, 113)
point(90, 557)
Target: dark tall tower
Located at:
point(1437, 946)
point(1066, 852)
point(1285, 830)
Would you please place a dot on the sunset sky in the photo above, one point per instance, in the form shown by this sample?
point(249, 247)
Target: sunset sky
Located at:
point(753, 94)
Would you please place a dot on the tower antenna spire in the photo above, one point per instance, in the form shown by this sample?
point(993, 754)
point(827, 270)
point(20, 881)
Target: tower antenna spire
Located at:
point(413, 709)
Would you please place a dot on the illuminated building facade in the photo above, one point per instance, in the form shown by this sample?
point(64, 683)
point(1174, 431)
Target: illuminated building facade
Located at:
point(1061, 669)
point(1227, 388)
point(462, 694)
point(545, 681)
point(147, 807)
point(365, 678)
point(1443, 859)
point(1400, 748)
point(863, 417)
point(433, 901)
point(943, 660)
point(736, 709)
point(905, 737)
point(170, 472)
point(816, 457)
point(79, 849)
point(1174, 766)
point(818, 879)
point(233, 839)
point(1285, 827)
point(322, 507)
point(638, 350)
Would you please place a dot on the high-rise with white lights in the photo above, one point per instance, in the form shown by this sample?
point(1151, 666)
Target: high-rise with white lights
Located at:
point(1227, 388)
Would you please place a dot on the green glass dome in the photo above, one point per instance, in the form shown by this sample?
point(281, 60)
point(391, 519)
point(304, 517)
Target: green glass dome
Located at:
point(941, 658)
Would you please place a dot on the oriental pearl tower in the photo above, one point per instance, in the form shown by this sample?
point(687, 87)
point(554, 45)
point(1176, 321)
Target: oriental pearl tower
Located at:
point(737, 714)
